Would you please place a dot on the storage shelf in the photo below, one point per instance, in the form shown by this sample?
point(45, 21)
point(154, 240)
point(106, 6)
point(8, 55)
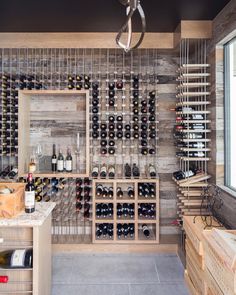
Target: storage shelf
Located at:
point(189, 103)
point(137, 221)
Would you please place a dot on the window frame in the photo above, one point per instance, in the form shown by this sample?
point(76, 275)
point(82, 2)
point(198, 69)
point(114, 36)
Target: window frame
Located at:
point(227, 117)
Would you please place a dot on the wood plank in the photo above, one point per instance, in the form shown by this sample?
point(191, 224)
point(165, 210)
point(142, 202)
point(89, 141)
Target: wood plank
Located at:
point(81, 40)
point(196, 29)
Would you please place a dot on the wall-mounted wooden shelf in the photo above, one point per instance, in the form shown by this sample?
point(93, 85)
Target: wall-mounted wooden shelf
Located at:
point(48, 117)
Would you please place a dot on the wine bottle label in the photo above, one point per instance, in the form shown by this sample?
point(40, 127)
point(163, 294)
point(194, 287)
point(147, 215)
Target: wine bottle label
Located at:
point(60, 165)
point(32, 168)
point(68, 165)
point(18, 258)
point(103, 169)
point(111, 170)
point(54, 161)
point(188, 173)
point(95, 170)
point(29, 199)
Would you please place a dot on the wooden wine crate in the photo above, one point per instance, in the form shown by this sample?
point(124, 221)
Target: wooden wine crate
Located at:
point(12, 204)
point(196, 275)
point(197, 259)
point(194, 227)
point(216, 264)
point(189, 284)
point(211, 284)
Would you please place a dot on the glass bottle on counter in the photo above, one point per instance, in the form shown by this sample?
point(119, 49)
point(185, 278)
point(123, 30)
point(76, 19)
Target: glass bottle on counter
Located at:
point(30, 195)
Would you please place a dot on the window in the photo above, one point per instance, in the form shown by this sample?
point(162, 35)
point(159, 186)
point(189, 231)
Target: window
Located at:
point(230, 114)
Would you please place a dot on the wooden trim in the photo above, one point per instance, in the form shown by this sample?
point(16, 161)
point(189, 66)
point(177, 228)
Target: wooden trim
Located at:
point(24, 130)
point(115, 248)
point(80, 40)
point(186, 29)
point(196, 29)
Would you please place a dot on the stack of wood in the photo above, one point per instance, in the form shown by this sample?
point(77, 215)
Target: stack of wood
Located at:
point(195, 254)
point(220, 262)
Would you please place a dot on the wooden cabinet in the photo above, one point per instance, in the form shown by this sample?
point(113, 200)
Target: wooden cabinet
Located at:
point(28, 231)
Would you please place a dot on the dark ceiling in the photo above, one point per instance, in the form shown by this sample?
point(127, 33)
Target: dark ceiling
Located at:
point(100, 15)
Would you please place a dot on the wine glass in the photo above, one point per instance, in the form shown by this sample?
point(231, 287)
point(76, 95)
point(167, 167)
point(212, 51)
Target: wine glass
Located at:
point(38, 151)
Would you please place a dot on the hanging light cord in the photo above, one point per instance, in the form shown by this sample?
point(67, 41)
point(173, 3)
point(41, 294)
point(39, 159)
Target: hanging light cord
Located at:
point(132, 6)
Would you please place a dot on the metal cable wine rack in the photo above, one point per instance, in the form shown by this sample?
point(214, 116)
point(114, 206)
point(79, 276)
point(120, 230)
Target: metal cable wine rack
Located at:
point(50, 69)
point(192, 125)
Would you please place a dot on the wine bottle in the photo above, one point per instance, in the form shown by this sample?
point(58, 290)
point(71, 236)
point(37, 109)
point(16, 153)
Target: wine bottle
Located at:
point(54, 158)
point(30, 195)
point(119, 230)
point(119, 192)
point(146, 231)
point(111, 85)
point(111, 171)
point(127, 170)
point(60, 162)
point(103, 126)
point(13, 173)
point(111, 150)
point(95, 134)
point(95, 118)
point(103, 142)
point(179, 175)
point(119, 84)
point(68, 164)
point(111, 118)
point(111, 102)
point(103, 172)
point(130, 191)
point(135, 170)
point(19, 258)
point(110, 192)
point(152, 170)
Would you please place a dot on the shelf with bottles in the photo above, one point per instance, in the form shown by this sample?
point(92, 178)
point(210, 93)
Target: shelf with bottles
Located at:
point(147, 211)
point(104, 191)
point(104, 211)
point(48, 117)
point(20, 280)
point(125, 232)
point(126, 210)
point(147, 232)
point(104, 232)
point(125, 191)
point(112, 169)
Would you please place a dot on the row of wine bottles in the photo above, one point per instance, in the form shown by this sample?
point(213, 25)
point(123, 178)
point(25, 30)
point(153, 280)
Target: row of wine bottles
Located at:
point(129, 172)
point(125, 210)
point(106, 230)
point(9, 171)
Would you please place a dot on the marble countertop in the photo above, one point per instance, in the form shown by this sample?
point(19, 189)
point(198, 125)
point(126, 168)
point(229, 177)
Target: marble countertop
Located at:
point(42, 211)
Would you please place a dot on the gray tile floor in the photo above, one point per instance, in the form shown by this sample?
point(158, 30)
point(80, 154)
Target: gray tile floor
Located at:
point(123, 274)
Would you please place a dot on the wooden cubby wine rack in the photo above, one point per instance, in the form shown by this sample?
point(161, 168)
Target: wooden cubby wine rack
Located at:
point(113, 220)
point(192, 131)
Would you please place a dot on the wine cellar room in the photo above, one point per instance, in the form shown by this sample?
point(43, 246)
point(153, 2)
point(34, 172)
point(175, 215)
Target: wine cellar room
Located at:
point(117, 170)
